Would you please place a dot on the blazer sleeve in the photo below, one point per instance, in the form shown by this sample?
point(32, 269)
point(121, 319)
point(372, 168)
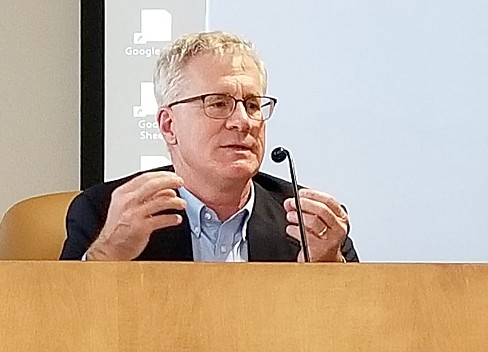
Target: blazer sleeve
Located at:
point(348, 251)
point(86, 216)
point(83, 224)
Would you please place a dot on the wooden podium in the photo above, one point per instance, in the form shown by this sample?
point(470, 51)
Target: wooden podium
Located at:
point(142, 306)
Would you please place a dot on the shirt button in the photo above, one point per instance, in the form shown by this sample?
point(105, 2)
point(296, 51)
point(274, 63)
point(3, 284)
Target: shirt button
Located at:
point(207, 216)
point(223, 249)
point(197, 230)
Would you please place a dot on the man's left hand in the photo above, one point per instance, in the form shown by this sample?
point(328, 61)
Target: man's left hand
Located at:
point(325, 223)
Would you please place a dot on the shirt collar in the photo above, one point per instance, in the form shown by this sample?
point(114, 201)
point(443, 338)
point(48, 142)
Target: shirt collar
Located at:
point(194, 207)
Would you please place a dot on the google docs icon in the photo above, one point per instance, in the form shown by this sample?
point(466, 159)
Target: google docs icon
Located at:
point(156, 26)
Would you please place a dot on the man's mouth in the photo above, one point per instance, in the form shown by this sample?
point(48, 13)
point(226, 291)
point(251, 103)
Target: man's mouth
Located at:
point(238, 147)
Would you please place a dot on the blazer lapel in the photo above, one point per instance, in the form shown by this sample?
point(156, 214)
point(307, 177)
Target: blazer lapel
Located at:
point(170, 244)
point(267, 238)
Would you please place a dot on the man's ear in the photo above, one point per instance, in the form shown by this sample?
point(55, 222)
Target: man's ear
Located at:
point(166, 125)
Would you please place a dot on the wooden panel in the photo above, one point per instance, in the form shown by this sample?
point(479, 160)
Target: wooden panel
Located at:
point(73, 306)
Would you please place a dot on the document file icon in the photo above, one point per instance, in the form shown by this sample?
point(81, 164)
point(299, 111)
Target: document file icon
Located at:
point(156, 26)
point(152, 161)
point(148, 102)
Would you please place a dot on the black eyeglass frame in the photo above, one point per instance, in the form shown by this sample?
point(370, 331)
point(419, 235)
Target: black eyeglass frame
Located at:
point(202, 97)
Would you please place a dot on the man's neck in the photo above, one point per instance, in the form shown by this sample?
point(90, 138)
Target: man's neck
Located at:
point(225, 197)
point(224, 201)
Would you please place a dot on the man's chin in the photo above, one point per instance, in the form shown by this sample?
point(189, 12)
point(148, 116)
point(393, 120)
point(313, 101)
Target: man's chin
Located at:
point(239, 170)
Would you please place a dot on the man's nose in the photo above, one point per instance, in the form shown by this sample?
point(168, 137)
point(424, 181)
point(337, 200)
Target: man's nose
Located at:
point(239, 119)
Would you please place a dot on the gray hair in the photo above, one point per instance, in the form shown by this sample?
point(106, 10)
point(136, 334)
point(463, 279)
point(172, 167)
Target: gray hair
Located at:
point(173, 59)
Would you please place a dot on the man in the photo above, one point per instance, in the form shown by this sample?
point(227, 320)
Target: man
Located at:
point(212, 204)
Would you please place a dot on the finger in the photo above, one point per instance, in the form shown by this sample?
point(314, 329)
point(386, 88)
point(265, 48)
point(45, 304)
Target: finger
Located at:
point(164, 193)
point(159, 204)
point(146, 177)
point(312, 223)
point(321, 210)
point(289, 204)
point(147, 184)
point(316, 208)
point(324, 198)
point(316, 243)
point(153, 185)
point(165, 220)
point(294, 232)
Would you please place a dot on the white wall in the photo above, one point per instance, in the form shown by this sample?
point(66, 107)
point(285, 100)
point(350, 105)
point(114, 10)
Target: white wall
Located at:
point(384, 104)
point(39, 98)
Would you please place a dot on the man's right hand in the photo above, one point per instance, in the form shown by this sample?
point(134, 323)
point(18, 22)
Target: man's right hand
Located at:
point(131, 215)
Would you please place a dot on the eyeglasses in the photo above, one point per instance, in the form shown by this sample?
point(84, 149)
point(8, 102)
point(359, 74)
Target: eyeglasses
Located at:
point(221, 106)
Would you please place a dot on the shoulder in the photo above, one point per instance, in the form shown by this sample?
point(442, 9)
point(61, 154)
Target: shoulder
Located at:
point(276, 187)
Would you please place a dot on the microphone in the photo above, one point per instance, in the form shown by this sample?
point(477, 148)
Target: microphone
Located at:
point(278, 155)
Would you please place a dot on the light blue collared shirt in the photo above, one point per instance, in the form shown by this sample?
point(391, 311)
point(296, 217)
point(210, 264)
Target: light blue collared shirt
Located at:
point(213, 240)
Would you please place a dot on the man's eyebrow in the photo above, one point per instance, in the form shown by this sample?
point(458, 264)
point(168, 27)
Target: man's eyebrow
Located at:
point(252, 95)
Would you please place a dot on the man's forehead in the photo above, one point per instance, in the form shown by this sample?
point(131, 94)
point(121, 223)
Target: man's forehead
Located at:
point(222, 62)
point(214, 69)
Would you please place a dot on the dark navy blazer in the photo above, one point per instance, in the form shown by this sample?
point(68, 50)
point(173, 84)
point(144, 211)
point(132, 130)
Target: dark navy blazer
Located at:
point(267, 239)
